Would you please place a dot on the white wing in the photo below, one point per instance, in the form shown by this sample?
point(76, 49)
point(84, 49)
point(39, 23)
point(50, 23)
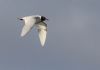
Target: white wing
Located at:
point(25, 30)
point(42, 29)
point(29, 22)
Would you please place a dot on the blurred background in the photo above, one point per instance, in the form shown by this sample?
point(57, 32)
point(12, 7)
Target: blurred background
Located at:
point(73, 40)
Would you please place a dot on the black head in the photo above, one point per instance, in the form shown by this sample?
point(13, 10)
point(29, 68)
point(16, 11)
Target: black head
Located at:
point(43, 18)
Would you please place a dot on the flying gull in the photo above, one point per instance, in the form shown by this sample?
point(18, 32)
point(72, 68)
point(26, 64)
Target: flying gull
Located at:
point(38, 22)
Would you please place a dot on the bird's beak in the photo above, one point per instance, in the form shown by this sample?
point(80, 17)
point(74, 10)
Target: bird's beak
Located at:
point(47, 19)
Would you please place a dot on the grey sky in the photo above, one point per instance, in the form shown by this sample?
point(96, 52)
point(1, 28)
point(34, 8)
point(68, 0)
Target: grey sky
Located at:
point(72, 41)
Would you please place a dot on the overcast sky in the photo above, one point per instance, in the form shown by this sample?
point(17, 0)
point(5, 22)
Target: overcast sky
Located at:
point(73, 40)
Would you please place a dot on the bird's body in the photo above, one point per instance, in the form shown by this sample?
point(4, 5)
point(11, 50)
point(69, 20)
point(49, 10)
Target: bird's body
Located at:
point(38, 21)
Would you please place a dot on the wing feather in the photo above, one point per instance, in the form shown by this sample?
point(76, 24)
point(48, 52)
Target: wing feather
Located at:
point(29, 23)
point(25, 30)
point(42, 29)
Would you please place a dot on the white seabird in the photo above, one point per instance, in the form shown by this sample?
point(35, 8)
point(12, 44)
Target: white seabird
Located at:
point(38, 21)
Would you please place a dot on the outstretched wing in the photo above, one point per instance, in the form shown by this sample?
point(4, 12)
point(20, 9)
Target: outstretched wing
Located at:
point(42, 29)
point(29, 22)
point(25, 30)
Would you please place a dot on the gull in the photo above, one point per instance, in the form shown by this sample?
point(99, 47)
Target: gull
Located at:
point(38, 22)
